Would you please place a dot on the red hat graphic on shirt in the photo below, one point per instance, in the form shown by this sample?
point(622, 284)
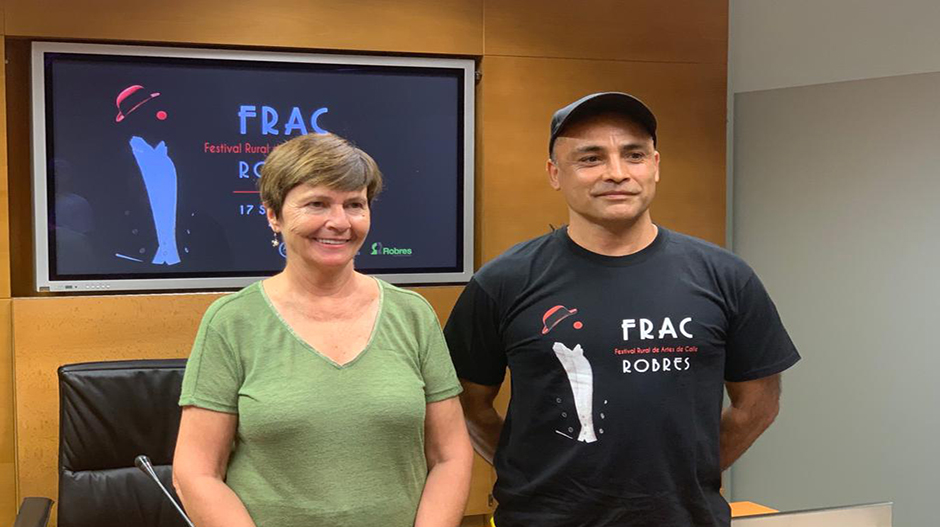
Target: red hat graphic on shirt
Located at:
point(553, 316)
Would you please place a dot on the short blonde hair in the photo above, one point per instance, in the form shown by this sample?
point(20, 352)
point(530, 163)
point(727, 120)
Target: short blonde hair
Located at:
point(317, 159)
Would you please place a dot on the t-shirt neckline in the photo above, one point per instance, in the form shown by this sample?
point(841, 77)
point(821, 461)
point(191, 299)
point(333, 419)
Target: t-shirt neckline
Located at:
point(613, 261)
point(309, 347)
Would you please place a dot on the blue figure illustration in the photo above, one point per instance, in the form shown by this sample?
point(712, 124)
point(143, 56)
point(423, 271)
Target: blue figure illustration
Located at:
point(159, 175)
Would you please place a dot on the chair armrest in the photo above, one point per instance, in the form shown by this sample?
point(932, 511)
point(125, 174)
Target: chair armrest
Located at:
point(34, 512)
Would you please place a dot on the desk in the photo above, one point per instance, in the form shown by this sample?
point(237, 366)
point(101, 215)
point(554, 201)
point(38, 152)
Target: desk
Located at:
point(748, 508)
point(738, 509)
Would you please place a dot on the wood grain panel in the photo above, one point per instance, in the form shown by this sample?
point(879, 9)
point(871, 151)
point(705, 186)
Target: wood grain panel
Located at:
point(521, 95)
point(50, 332)
point(418, 26)
point(8, 503)
point(4, 186)
point(638, 30)
point(442, 299)
point(18, 178)
point(475, 521)
point(481, 485)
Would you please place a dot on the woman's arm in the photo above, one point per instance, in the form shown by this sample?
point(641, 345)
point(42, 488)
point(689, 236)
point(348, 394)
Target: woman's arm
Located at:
point(202, 449)
point(450, 458)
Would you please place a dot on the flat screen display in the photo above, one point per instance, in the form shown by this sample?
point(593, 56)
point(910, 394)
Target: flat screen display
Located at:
point(146, 162)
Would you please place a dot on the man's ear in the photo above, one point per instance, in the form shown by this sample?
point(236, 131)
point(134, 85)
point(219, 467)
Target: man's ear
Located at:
point(656, 163)
point(552, 170)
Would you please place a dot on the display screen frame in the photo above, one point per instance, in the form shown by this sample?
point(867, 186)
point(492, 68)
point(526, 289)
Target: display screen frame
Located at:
point(41, 137)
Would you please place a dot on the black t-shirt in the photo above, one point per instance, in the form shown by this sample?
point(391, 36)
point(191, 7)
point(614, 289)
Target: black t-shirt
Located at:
point(618, 367)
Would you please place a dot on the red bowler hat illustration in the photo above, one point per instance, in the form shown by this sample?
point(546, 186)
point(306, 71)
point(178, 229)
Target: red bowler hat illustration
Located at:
point(553, 316)
point(130, 99)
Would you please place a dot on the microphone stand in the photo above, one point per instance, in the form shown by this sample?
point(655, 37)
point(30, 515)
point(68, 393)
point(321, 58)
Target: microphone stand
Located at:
point(143, 463)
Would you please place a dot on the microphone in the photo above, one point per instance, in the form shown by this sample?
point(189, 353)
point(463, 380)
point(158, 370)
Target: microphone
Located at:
point(143, 463)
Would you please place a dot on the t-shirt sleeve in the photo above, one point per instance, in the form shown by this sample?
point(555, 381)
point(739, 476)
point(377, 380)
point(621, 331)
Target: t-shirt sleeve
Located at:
point(472, 333)
point(758, 344)
point(440, 381)
point(213, 374)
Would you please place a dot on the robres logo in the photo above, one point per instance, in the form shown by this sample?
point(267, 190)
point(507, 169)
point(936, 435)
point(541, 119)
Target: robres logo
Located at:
point(380, 250)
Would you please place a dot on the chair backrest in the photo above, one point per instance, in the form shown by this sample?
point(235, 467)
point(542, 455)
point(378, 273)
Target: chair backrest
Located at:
point(109, 413)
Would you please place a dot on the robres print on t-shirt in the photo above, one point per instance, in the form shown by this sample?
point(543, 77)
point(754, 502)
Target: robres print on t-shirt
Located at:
point(581, 375)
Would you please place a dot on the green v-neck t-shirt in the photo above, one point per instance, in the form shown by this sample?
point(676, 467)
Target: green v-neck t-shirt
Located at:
point(319, 444)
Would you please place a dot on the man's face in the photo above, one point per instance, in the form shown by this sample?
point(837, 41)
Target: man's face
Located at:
point(607, 169)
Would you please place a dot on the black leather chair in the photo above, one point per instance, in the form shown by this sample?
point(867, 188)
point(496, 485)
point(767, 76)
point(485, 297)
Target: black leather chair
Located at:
point(109, 413)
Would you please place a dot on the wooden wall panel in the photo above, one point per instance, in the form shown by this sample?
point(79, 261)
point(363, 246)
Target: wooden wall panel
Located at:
point(18, 180)
point(8, 502)
point(442, 299)
point(4, 187)
point(50, 332)
point(417, 26)
point(522, 93)
point(638, 30)
point(481, 486)
point(475, 521)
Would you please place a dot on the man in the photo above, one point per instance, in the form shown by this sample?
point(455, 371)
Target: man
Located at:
point(620, 336)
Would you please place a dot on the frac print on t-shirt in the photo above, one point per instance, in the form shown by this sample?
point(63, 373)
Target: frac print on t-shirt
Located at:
point(643, 329)
point(580, 374)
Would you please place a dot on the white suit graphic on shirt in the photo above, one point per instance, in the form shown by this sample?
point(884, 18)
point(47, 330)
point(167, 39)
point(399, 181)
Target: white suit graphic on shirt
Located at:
point(581, 378)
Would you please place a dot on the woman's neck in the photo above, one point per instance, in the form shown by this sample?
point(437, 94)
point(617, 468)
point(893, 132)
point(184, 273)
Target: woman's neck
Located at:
point(318, 283)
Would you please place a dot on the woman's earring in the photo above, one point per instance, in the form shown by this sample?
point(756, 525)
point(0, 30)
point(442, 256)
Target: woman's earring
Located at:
point(275, 242)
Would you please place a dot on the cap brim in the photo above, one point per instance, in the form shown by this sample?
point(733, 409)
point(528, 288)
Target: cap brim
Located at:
point(595, 104)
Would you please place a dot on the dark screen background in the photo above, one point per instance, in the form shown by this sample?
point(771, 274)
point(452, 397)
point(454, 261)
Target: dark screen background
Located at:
point(102, 223)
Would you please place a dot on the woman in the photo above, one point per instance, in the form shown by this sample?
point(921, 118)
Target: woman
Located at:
point(320, 396)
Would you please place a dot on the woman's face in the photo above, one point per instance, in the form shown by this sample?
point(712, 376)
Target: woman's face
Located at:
point(322, 227)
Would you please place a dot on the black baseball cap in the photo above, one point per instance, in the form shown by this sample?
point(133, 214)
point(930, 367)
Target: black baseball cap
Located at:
point(605, 102)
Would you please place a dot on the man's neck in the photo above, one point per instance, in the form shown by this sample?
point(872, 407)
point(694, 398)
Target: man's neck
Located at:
point(614, 239)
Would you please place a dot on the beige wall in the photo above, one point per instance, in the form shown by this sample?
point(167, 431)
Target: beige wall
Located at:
point(535, 57)
point(846, 246)
point(777, 44)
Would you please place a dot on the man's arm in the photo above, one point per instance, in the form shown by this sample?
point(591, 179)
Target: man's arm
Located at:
point(754, 406)
point(483, 422)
